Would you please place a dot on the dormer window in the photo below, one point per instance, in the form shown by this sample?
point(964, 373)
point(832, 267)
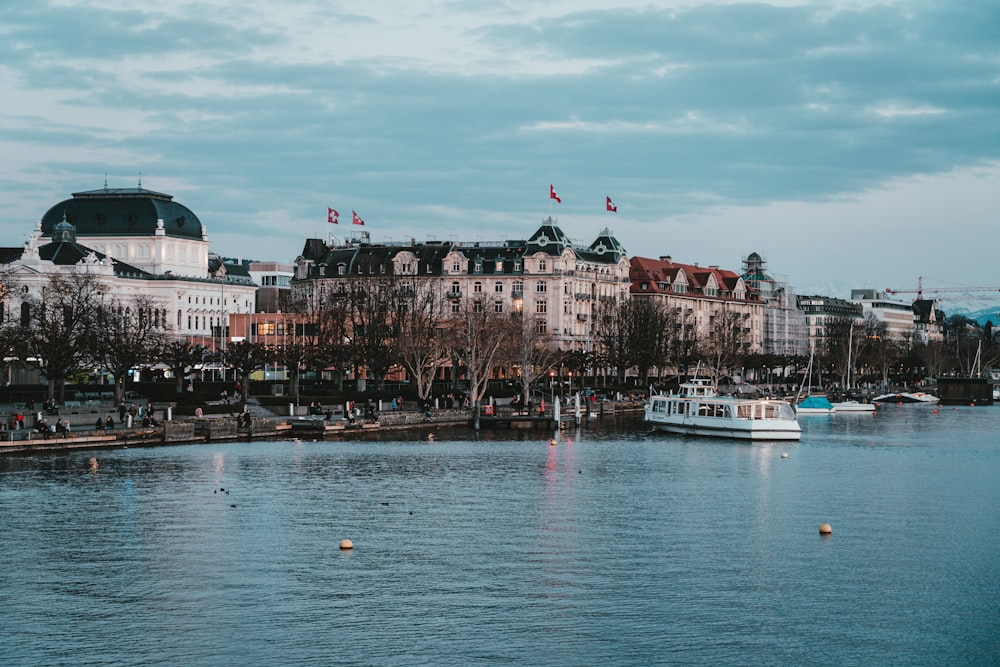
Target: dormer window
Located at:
point(543, 265)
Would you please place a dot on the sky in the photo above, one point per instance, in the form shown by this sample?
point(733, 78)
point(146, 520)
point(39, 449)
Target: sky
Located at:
point(851, 143)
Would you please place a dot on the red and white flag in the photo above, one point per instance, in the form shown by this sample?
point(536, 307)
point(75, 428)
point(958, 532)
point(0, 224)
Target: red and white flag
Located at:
point(612, 207)
point(332, 216)
point(357, 219)
point(552, 193)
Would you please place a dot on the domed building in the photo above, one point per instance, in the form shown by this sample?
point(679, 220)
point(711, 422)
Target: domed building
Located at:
point(147, 229)
point(137, 242)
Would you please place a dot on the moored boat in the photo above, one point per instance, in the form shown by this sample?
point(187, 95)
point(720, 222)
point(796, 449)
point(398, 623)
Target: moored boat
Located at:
point(853, 406)
point(697, 409)
point(814, 405)
point(904, 397)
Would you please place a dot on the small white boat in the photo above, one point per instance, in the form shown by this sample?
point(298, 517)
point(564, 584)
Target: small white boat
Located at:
point(697, 409)
point(903, 397)
point(853, 406)
point(814, 405)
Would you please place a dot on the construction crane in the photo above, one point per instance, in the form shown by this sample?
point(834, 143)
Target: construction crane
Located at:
point(920, 289)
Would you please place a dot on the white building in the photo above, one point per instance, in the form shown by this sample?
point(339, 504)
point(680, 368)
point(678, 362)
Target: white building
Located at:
point(896, 316)
point(137, 242)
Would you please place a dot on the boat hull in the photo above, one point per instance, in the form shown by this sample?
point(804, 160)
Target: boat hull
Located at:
point(853, 406)
point(763, 434)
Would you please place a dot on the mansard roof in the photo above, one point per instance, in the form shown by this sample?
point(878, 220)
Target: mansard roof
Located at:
point(605, 248)
point(548, 239)
point(123, 212)
point(360, 257)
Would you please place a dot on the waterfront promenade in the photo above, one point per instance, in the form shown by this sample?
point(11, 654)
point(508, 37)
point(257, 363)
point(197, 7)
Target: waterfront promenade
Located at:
point(169, 428)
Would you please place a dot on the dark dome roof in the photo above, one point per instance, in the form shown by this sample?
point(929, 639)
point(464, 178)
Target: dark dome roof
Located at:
point(123, 212)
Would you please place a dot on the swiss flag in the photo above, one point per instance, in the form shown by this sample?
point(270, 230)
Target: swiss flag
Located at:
point(332, 216)
point(357, 220)
point(552, 193)
point(612, 207)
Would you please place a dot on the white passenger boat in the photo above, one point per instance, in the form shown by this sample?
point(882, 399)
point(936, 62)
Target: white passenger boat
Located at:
point(697, 409)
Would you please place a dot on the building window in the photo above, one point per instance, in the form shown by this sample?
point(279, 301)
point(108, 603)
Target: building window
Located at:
point(477, 306)
point(498, 287)
point(541, 286)
point(498, 306)
point(517, 266)
point(540, 327)
point(543, 265)
point(541, 307)
point(456, 267)
point(477, 287)
point(456, 307)
point(479, 267)
point(455, 290)
point(517, 289)
point(499, 267)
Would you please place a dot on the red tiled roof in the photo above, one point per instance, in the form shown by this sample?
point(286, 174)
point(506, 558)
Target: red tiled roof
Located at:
point(655, 272)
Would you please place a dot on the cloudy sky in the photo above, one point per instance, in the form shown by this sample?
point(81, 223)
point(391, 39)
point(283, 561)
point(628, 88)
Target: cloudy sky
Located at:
point(852, 144)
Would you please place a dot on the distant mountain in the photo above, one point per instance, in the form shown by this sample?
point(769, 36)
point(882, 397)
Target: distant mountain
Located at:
point(980, 315)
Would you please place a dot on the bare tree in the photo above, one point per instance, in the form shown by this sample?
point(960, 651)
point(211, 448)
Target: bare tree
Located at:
point(479, 337)
point(59, 328)
point(181, 355)
point(130, 335)
point(531, 350)
point(422, 314)
point(638, 333)
point(245, 358)
point(881, 351)
point(373, 321)
point(726, 342)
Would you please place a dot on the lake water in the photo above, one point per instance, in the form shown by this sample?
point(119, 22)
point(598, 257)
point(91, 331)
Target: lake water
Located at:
point(616, 546)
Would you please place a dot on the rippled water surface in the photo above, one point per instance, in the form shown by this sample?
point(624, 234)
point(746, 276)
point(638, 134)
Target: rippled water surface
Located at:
point(616, 546)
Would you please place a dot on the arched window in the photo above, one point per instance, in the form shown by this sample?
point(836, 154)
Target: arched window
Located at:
point(25, 314)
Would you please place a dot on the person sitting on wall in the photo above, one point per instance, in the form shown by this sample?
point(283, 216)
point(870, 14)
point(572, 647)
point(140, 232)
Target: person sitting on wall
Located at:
point(99, 425)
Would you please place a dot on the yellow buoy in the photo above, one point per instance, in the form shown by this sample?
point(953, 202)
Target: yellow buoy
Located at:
point(346, 544)
point(825, 529)
point(553, 442)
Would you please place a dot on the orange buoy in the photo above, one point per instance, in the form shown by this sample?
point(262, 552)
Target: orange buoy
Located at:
point(346, 544)
point(825, 529)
